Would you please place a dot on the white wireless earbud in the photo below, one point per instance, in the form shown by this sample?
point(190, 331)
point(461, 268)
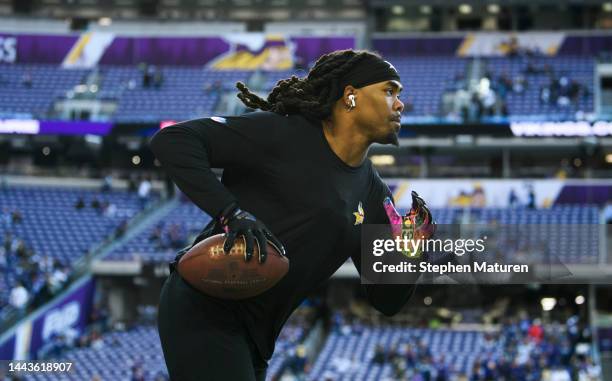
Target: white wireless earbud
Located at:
point(352, 99)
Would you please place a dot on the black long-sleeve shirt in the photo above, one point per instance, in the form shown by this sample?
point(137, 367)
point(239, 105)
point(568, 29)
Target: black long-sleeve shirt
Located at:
point(282, 170)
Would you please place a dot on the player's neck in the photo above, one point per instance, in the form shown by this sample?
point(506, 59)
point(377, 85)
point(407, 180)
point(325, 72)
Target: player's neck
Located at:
point(350, 147)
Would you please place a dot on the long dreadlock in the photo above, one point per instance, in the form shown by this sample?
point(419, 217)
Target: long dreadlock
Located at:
point(312, 96)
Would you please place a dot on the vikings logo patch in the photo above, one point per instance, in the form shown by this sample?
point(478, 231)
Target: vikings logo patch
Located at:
point(359, 215)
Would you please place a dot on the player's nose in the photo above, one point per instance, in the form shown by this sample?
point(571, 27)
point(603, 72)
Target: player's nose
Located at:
point(398, 106)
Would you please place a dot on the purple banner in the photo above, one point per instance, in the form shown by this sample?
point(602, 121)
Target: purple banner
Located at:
point(7, 350)
point(25, 48)
point(164, 50)
point(189, 51)
point(585, 45)
point(70, 313)
point(411, 46)
point(585, 194)
point(74, 128)
point(309, 49)
point(54, 127)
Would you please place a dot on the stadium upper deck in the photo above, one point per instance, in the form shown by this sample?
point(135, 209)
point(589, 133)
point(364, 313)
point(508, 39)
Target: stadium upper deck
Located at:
point(543, 76)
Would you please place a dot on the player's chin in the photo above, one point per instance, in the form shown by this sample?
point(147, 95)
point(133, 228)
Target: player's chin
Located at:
point(390, 138)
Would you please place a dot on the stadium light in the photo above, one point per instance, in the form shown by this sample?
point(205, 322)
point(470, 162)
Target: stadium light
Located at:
point(425, 9)
point(383, 159)
point(105, 21)
point(493, 8)
point(465, 9)
point(397, 10)
point(579, 299)
point(607, 7)
point(548, 303)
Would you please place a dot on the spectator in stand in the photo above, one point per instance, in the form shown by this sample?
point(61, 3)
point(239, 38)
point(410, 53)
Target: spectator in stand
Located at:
point(296, 363)
point(519, 84)
point(147, 74)
point(80, 204)
point(156, 236)
point(109, 209)
point(144, 191)
point(177, 236)
point(158, 78)
point(512, 199)
point(19, 298)
point(213, 88)
point(107, 183)
point(138, 373)
point(95, 204)
point(589, 371)
point(536, 331)
point(16, 217)
point(380, 357)
point(121, 229)
point(6, 220)
point(531, 198)
point(132, 184)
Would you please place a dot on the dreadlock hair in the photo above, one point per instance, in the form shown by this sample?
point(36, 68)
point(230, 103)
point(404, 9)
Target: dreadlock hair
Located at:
point(313, 96)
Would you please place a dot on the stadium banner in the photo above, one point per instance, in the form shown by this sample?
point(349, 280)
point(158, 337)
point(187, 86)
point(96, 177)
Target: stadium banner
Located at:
point(502, 44)
point(88, 50)
point(7, 349)
point(238, 51)
point(493, 44)
point(428, 126)
point(54, 127)
point(561, 129)
point(589, 45)
point(469, 193)
point(35, 48)
point(60, 127)
point(416, 46)
point(66, 315)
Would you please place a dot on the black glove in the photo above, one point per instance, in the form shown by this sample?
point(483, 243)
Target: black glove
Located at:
point(237, 222)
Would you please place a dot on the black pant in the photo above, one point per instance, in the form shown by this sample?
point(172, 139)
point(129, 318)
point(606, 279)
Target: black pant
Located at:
point(202, 339)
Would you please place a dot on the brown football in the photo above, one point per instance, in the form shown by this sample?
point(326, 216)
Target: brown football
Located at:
point(207, 268)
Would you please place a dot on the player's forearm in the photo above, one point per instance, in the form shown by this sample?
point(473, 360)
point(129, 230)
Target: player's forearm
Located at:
point(184, 157)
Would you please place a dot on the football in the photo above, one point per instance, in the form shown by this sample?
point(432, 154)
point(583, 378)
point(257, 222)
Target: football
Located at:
point(207, 268)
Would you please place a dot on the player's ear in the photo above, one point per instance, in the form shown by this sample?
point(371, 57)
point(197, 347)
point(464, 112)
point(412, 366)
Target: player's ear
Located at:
point(348, 92)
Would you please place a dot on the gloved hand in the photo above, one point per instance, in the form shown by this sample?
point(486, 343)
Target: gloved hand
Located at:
point(240, 223)
point(417, 224)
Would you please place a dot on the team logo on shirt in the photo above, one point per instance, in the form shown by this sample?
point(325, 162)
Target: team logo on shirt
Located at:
point(359, 214)
point(218, 119)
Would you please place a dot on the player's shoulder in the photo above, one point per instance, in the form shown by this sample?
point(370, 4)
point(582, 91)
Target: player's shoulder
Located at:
point(266, 120)
point(258, 117)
